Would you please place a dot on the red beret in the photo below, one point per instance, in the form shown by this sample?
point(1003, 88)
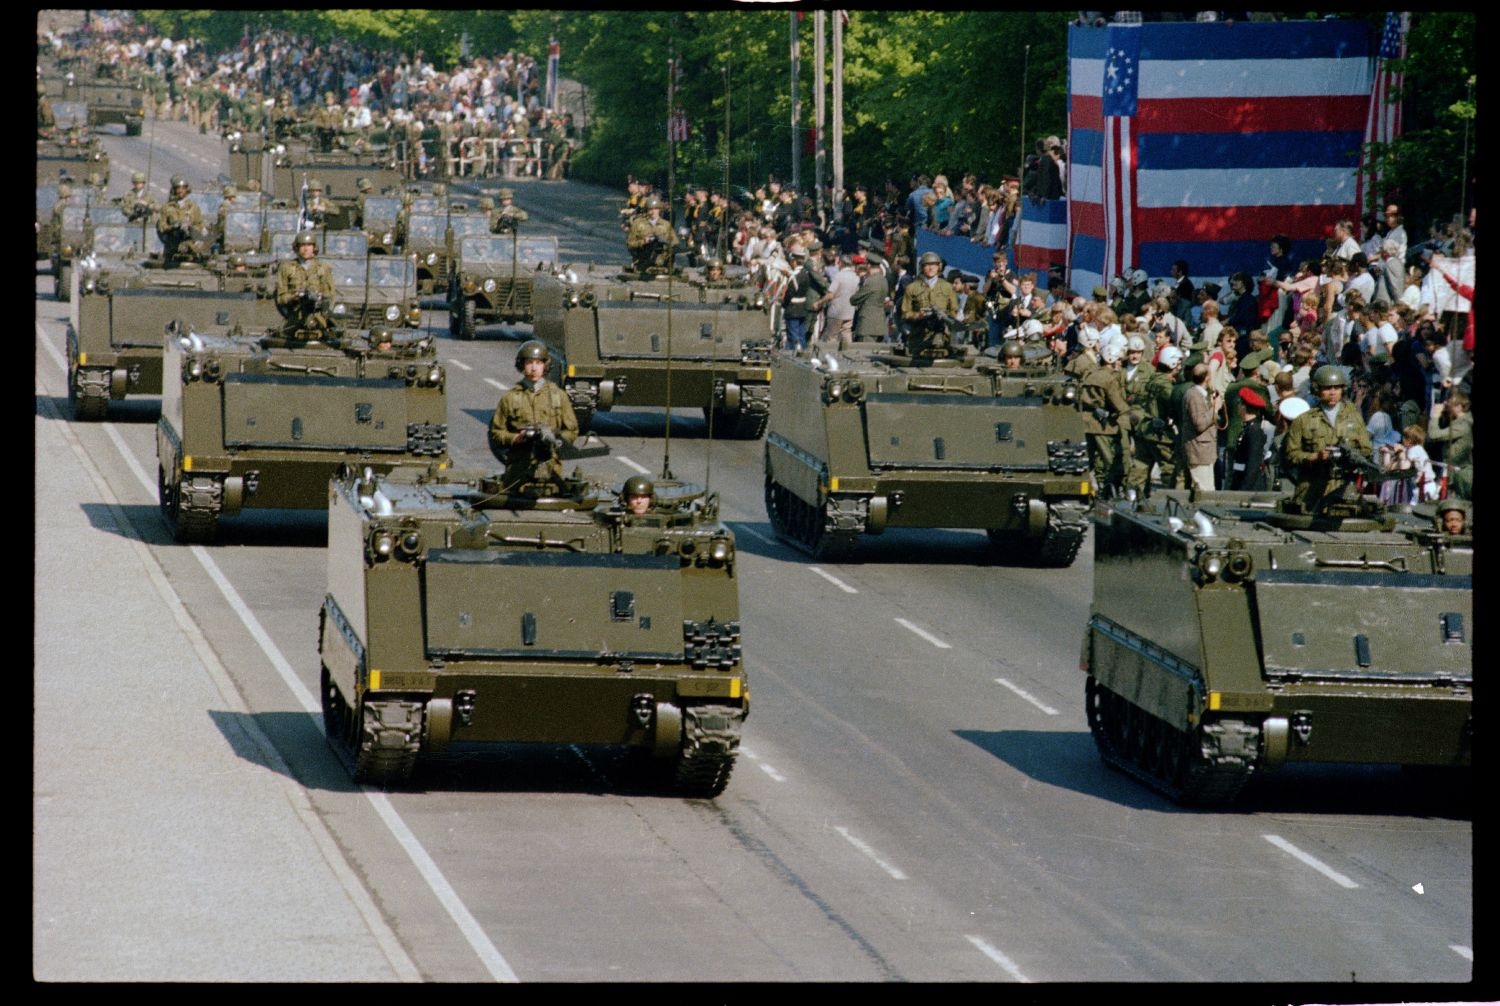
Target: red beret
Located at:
point(1250, 398)
point(859, 260)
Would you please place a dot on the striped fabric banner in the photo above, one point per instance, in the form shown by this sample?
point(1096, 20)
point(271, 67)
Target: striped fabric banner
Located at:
point(1200, 141)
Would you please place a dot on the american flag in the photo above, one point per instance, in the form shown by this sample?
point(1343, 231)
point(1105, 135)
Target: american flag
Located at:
point(677, 126)
point(1384, 121)
point(1200, 141)
point(554, 58)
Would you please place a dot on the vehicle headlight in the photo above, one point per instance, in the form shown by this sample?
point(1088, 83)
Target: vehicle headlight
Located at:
point(392, 312)
point(387, 238)
point(340, 308)
point(431, 258)
point(489, 286)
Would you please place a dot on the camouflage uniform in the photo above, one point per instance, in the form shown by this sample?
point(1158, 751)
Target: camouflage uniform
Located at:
point(1309, 434)
point(1156, 436)
point(1138, 398)
point(542, 405)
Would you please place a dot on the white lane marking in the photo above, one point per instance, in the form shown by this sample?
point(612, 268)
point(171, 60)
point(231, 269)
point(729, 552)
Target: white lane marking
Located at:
point(461, 365)
point(502, 387)
point(840, 584)
point(1467, 953)
point(1005, 963)
point(743, 529)
point(1418, 887)
point(935, 641)
point(1316, 864)
point(626, 461)
point(492, 959)
point(768, 770)
point(1028, 697)
point(862, 847)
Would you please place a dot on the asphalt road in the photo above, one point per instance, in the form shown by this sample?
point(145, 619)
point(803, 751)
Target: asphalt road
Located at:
point(918, 797)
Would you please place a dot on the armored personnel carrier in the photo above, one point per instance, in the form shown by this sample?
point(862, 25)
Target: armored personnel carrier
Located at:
point(457, 612)
point(1231, 635)
point(114, 340)
point(71, 155)
point(339, 171)
point(874, 438)
point(263, 420)
point(492, 280)
point(628, 339)
point(109, 99)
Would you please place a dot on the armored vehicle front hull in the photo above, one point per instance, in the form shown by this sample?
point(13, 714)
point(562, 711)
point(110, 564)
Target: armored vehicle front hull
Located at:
point(873, 442)
point(619, 340)
point(1222, 643)
point(457, 614)
point(263, 423)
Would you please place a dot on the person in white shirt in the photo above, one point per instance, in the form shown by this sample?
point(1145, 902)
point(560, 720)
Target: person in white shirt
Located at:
point(1343, 234)
point(1396, 232)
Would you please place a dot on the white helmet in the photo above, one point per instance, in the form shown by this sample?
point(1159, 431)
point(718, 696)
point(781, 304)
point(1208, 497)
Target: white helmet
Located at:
point(1088, 336)
point(1031, 328)
point(1112, 352)
point(1291, 407)
point(1169, 357)
point(1135, 344)
point(1138, 278)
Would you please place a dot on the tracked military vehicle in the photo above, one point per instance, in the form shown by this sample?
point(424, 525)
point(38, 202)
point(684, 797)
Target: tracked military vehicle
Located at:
point(1231, 635)
point(71, 155)
point(263, 420)
point(492, 279)
point(627, 339)
point(457, 612)
point(873, 438)
point(339, 171)
point(114, 340)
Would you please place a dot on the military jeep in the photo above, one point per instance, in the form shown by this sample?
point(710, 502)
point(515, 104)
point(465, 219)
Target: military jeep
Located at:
point(492, 279)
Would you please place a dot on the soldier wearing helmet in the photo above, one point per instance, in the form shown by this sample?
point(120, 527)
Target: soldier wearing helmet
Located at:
point(928, 302)
point(179, 224)
point(316, 206)
point(1136, 377)
point(650, 239)
point(304, 287)
point(137, 204)
point(505, 217)
point(380, 339)
point(532, 422)
point(1101, 399)
point(1012, 355)
point(1314, 436)
point(1452, 516)
point(637, 495)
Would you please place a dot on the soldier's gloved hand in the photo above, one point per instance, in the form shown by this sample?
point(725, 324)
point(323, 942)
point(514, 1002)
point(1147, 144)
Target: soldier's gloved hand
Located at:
point(1101, 416)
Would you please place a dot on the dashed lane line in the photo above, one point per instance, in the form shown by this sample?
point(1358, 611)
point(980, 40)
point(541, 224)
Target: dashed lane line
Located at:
point(1006, 964)
point(1312, 861)
point(840, 584)
point(895, 873)
point(1028, 697)
point(935, 641)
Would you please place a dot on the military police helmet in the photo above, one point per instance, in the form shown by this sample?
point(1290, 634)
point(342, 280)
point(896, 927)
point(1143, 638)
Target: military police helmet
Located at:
point(1032, 329)
point(638, 485)
point(1111, 352)
point(137, 176)
point(930, 258)
point(532, 349)
point(1329, 376)
point(1169, 357)
point(179, 182)
point(1135, 344)
point(1011, 348)
point(305, 238)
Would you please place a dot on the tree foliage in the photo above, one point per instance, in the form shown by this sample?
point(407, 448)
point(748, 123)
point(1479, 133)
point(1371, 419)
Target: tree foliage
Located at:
point(954, 91)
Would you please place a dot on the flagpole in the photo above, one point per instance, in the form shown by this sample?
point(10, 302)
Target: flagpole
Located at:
point(796, 103)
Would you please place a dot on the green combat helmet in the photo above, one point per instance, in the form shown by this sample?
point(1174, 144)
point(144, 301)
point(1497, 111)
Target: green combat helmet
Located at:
point(1329, 376)
point(638, 485)
point(930, 257)
point(532, 349)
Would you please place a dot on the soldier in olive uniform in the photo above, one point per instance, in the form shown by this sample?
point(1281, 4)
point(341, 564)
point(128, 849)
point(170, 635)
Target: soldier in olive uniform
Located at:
point(1136, 377)
point(317, 207)
point(532, 422)
point(304, 287)
point(637, 495)
point(137, 203)
point(635, 203)
point(928, 302)
point(179, 224)
point(1313, 436)
point(1106, 415)
point(651, 240)
point(505, 217)
point(327, 122)
point(1156, 435)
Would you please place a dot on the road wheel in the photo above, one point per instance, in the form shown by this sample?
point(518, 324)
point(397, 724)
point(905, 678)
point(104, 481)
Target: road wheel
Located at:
point(466, 323)
point(63, 282)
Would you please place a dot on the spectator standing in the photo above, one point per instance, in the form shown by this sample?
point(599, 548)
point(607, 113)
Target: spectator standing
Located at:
point(1199, 436)
point(871, 322)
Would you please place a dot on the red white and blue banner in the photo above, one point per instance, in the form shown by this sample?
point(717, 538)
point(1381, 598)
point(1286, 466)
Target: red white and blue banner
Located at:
point(1042, 238)
point(1383, 124)
point(1200, 141)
